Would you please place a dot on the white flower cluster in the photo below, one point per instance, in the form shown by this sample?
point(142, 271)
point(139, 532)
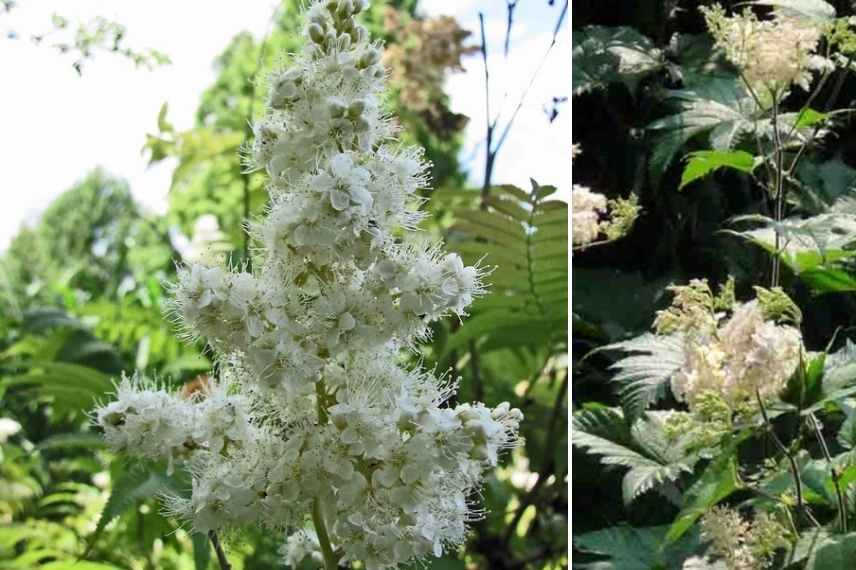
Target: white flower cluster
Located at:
point(772, 54)
point(735, 357)
point(587, 209)
point(738, 543)
point(152, 423)
point(8, 428)
point(315, 427)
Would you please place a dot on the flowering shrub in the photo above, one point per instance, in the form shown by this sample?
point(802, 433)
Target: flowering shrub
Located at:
point(314, 428)
point(728, 412)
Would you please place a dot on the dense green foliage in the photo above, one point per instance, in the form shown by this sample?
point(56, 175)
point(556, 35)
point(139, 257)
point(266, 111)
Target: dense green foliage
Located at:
point(82, 301)
point(660, 112)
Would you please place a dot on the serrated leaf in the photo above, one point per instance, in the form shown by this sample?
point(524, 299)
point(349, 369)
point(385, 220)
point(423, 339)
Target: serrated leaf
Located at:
point(703, 162)
point(644, 376)
point(634, 548)
point(42, 319)
point(652, 461)
point(717, 482)
point(808, 117)
point(509, 208)
point(73, 387)
point(493, 221)
point(719, 107)
point(529, 264)
point(821, 185)
point(812, 248)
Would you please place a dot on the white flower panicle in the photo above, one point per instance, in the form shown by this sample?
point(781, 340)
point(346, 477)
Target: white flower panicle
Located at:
point(736, 357)
point(315, 424)
point(772, 54)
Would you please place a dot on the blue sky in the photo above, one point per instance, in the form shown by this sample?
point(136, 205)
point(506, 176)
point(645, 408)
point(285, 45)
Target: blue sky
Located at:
point(58, 126)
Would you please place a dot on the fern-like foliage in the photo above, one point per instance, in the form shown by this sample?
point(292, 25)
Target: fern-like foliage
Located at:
point(523, 237)
point(643, 376)
point(653, 460)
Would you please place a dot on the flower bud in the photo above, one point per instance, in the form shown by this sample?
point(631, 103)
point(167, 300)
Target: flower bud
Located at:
point(356, 108)
point(336, 109)
point(316, 33)
point(344, 9)
point(361, 125)
point(344, 42)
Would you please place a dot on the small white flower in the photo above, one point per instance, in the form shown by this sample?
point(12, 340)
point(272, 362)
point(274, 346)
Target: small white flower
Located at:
point(8, 428)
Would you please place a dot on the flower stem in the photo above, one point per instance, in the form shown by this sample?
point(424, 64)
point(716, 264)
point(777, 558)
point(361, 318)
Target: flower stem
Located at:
point(833, 470)
point(330, 562)
point(320, 395)
point(317, 518)
point(779, 210)
point(802, 509)
point(218, 549)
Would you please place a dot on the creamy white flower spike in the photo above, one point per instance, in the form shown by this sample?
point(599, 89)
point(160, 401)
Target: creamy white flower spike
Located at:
point(735, 351)
point(315, 428)
point(772, 54)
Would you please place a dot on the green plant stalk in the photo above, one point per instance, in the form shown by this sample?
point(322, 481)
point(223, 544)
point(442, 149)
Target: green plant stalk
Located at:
point(795, 472)
point(330, 560)
point(842, 504)
point(323, 538)
point(218, 550)
point(778, 212)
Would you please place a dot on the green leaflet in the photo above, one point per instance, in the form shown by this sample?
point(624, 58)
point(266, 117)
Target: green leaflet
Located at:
point(633, 548)
point(604, 55)
point(833, 552)
point(73, 388)
point(201, 551)
point(815, 248)
point(718, 107)
point(717, 482)
point(129, 487)
point(523, 237)
point(703, 162)
point(652, 459)
point(643, 376)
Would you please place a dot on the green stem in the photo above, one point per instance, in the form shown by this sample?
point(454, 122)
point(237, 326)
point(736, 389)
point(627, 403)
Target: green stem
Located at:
point(317, 518)
point(320, 396)
point(778, 212)
point(330, 562)
point(795, 471)
point(842, 503)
